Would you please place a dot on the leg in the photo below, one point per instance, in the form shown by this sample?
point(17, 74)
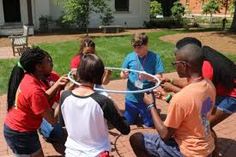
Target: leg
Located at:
point(137, 143)
point(39, 153)
point(217, 117)
point(153, 145)
point(145, 114)
point(225, 106)
point(131, 111)
point(23, 144)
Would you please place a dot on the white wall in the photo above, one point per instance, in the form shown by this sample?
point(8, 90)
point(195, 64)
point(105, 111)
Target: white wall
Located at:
point(135, 17)
point(40, 8)
point(23, 11)
point(56, 9)
point(137, 14)
point(1, 13)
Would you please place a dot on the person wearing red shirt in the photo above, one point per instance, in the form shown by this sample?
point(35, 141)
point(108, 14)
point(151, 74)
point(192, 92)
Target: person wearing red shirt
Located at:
point(28, 102)
point(222, 72)
point(86, 46)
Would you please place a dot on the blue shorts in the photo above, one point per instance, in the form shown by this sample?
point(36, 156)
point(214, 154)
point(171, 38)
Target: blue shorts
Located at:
point(22, 142)
point(226, 104)
point(133, 110)
point(155, 146)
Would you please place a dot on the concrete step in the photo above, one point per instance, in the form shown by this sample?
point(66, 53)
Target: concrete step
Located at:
point(14, 31)
point(11, 28)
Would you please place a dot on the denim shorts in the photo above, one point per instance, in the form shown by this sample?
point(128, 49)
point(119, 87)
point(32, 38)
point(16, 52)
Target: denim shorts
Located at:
point(226, 104)
point(155, 146)
point(22, 143)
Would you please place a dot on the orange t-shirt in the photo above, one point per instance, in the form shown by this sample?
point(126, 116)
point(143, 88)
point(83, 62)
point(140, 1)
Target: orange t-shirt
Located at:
point(188, 113)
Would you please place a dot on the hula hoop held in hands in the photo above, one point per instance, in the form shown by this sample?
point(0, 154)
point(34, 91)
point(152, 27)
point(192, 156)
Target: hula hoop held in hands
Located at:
point(158, 82)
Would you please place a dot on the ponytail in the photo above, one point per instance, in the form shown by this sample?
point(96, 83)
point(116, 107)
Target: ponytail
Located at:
point(28, 61)
point(15, 78)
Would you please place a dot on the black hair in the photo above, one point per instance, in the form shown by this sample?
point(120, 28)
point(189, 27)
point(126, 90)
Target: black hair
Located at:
point(27, 63)
point(91, 69)
point(193, 55)
point(224, 69)
point(188, 40)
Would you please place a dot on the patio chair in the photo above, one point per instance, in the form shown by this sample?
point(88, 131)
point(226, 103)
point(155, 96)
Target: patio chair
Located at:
point(20, 42)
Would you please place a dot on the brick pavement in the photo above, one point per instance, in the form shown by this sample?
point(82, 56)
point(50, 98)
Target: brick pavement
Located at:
point(226, 131)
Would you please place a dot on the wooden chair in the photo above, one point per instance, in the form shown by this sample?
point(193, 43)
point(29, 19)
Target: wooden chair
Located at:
point(20, 42)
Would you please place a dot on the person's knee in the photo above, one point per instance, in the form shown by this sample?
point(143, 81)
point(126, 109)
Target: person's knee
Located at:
point(136, 140)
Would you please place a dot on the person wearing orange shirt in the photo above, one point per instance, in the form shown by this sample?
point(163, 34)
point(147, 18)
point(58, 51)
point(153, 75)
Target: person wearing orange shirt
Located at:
point(186, 129)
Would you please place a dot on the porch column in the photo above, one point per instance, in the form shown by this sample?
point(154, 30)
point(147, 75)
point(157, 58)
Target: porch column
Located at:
point(29, 9)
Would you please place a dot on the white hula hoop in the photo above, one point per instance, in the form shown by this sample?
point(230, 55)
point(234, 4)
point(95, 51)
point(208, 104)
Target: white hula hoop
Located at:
point(157, 84)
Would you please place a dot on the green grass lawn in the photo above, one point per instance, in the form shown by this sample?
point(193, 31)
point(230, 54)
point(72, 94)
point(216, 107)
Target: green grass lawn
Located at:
point(112, 50)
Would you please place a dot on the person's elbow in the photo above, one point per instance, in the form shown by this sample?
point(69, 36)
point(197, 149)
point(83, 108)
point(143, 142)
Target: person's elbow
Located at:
point(166, 133)
point(49, 116)
point(165, 137)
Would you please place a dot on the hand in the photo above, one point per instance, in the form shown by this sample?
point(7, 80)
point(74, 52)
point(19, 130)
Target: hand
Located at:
point(143, 76)
point(160, 93)
point(106, 76)
point(124, 74)
point(148, 99)
point(164, 80)
point(62, 81)
point(70, 86)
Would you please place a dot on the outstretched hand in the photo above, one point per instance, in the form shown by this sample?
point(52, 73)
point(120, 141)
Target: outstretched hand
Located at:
point(62, 81)
point(160, 93)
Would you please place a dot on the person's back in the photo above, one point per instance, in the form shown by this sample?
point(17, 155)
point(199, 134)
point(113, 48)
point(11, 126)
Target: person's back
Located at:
point(85, 124)
point(191, 107)
point(85, 112)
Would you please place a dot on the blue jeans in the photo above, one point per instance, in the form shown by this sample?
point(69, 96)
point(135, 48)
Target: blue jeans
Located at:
point(155, 146)
point(133, 110)
point(226, 104)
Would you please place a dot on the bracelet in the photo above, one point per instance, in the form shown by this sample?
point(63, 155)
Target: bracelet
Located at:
point(168, 98)
point(150, 106)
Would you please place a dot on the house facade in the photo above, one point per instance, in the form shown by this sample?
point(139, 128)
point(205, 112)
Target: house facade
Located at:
point(195, 6)
point(129, 13)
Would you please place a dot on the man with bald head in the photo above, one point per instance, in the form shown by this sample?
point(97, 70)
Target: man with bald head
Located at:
point(186, 130)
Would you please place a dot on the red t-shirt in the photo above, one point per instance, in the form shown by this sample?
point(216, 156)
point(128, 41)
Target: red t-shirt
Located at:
point(31, 102)
point(207, 72)
point(74, 63)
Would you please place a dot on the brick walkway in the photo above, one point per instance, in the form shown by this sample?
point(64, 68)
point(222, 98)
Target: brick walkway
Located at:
point(226, 131)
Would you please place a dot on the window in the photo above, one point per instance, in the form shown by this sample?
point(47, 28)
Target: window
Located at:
point(122, 5)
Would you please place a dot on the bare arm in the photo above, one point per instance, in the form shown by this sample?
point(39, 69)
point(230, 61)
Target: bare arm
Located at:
point(170, 87)
point(165, 132)
point(124, 74)
point(106, 77)
point(61, 82)
point(50, 116)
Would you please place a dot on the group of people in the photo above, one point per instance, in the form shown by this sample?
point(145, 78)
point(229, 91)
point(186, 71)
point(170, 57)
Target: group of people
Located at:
point(38, 99)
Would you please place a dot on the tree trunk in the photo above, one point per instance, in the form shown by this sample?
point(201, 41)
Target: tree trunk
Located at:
point(233, 25)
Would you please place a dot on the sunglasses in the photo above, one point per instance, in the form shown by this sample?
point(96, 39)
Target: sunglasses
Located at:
point(180, 62)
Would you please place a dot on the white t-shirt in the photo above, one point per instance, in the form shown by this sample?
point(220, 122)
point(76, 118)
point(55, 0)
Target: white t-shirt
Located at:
point(85, 121)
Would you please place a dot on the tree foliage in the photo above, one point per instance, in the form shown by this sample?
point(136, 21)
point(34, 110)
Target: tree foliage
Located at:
point(233, 25)
point(178, 10)
point(78, 11)
point(155, 8)
point(211, 7)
